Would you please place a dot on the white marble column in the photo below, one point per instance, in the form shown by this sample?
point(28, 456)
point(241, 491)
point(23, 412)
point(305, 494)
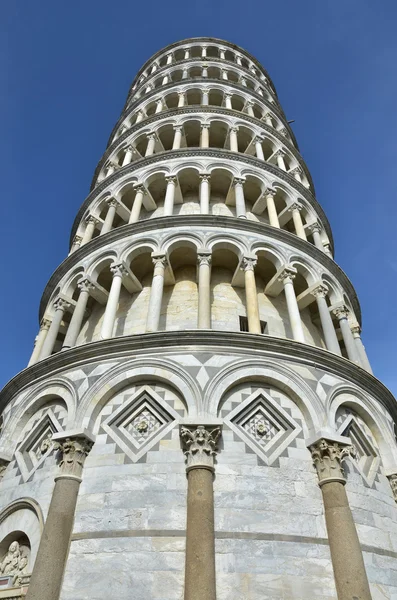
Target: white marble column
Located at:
point(187, 53)
point(205, 135)
point(233, 139)
point(137, 204)
point(169, 195)
point(280, 159)
point(185, 74)
point(139, 117)
point(341, 312)
point(271, 207)
point(205, 99)
point(204, 193)
point(204, 72)
point(129, 151)
point(76, 243)
point(239, 197)
point(118, 271)
point(297, 174)
point(243, 82)
point(224, 74)
point(169, 59)
point(108, 223)
point(204, 290)
point(248, 265)
point(60, 306)
point(177, 137)
point(287, 277)
point(39, 341)
point(159, 106)
point(222, 53)
point(228, 101)
point(165, 80)
point(151, 144)
point(238, 60)
point(111, 167)
point(92, 222)
point(268, 119)
point(250, 108)
point(315, 229)
point(85, 286)
point(355, 329)
point(258, 147)
point(156, 293)
point(331, 340)
point(295, 209)
point(181, 99)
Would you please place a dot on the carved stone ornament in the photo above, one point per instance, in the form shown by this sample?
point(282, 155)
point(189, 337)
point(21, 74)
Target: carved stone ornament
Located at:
point(200, 445)
point(248, 263)
point(328, 457)
point(204, 258)
point(74, 453)
point(14, 563)
point(393, 484)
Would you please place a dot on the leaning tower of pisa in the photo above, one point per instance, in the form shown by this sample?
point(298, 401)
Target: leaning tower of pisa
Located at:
point(199, 418)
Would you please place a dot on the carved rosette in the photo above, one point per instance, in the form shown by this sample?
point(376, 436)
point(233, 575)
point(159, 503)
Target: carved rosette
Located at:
point(393, 484)
point(328, 457)
point(200, 446)
point(74, 452)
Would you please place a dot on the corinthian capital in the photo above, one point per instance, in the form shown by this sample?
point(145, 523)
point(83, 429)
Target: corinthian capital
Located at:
point(200, 445)
point(328, 457)
point(393, 484)
point(248, 263)
point(74, 450)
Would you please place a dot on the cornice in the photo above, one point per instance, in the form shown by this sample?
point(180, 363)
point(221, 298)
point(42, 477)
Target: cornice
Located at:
point(197, 109)
point(208, 153)
point(180, 341)
point(276, 108)
point(210, 40)
point(205, 222)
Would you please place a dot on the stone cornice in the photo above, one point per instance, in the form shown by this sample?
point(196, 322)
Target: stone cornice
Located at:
point(205, 222)
point(210, 40)
point(208, 153)
point(177, 112)
point(222, 341)
point(276, 108)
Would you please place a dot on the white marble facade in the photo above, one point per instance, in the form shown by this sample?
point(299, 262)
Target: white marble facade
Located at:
point(201, 185)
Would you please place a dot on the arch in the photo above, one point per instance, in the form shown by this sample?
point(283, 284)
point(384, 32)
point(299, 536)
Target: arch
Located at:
point(178, 240)
point(25, 516)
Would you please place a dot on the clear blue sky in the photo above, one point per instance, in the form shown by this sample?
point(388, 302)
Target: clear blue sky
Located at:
point(65, 71)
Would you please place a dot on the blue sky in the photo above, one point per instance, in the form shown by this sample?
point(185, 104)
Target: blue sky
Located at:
point(65, 71)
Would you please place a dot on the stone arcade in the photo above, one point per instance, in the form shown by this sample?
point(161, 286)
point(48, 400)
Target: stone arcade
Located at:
point(199, 418)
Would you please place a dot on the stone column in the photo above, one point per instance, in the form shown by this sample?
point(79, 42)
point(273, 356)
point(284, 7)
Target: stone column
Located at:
point(137, 205)
point(181, 99)
point(347, 559)
point(177, 137)
point(297, 174)
point(239, 197)
point(111, 167)
point(169, 195)
point(129, 151)
point(165, 80)
point(248, 265)
point(287, 277)
point(271, 207)
point(341, 313)
point(250, 108)
point(205, 135)
point(85, 286)
point(205, 97)
point(39, 341)
point(315, 230)
point(185, 74)
point(233, 139)
point(60, 306)
point(204, 194)
point(243, 82)
point(49, 568)
point(258, 147)
point(280, 159)
point(204, 290)
point(108, 223)
point(187, 53)
point(268, 119)
point(228, 101)
point(222, 53)
point(200, 445)
point(89, 230)
point(118, 271)
point(156, 293)
point(295, 209)
point(159, 107)
point(76, 243)
point(139, 117)
point(169, 59)
point(204, 72)
point(331, 340)
point(224, 74)
point(238, 60)
point(355, 329)
point(151, 144)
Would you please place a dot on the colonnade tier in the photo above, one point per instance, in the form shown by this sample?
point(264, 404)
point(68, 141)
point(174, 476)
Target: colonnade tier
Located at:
point(202, 48)
point(219, 91)
point(206, 161)
point(211, 127)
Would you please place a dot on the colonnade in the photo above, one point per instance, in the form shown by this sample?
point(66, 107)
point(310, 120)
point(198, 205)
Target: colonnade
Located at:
point(200, 444)
point(282, 281)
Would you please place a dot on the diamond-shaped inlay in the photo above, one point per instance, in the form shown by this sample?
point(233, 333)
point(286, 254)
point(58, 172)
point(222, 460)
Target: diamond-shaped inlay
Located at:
point(140, 422)
point(367, 460)
point(263, 425)
point(35, 448)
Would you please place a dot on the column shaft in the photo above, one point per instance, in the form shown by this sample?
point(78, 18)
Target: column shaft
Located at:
point(233, 140)
point(177, 138)
point(331, 340)
point(254, 325)
point(112, 303)
point(40, 339)
point(205, 137)
point(204, 194)
point(52, 334)
point(298, 223)
point(293, 310)
point(272, 211)
point(240, 200)
point(347, 335)
point(108, 223)
point(89, 231)
point(169, 196)
point(361, 350)
point(258, 149)
point(150, 145)
point(78, 316)
point(204, 291)
point(137, 205)
point(228, 101)
point(156, 294)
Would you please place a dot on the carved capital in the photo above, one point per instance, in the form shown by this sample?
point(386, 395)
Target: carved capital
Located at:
point(111, 202)
point(73, 454)
point(314, 227)
point(279, 153)
point(77, 240)
point(233, 129)
point(204, 258)
point(139, 187)
point(237, 181)
point(297, 170)
point(151, 136)
point(393, 484)
point(287, 275)
point(248, 263)
point(320, 291)
point(171, 179)
point(355, 329)
point(159, 260)
point(270, 192)
point(200, 446)
point(284, 131)
point(129, 148)
point(4, 462)
point(341, 312)
point(91, 219)
point(206, 177)
point(45, 323)
point(61, 304)
point(205, 125)
point(85, 285)
point(258, 139)
point(177, 128)
point(295, 206)
point(328, 457)
point(118, 270)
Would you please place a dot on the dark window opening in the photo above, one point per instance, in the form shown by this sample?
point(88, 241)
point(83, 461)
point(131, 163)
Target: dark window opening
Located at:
point(244, 325)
